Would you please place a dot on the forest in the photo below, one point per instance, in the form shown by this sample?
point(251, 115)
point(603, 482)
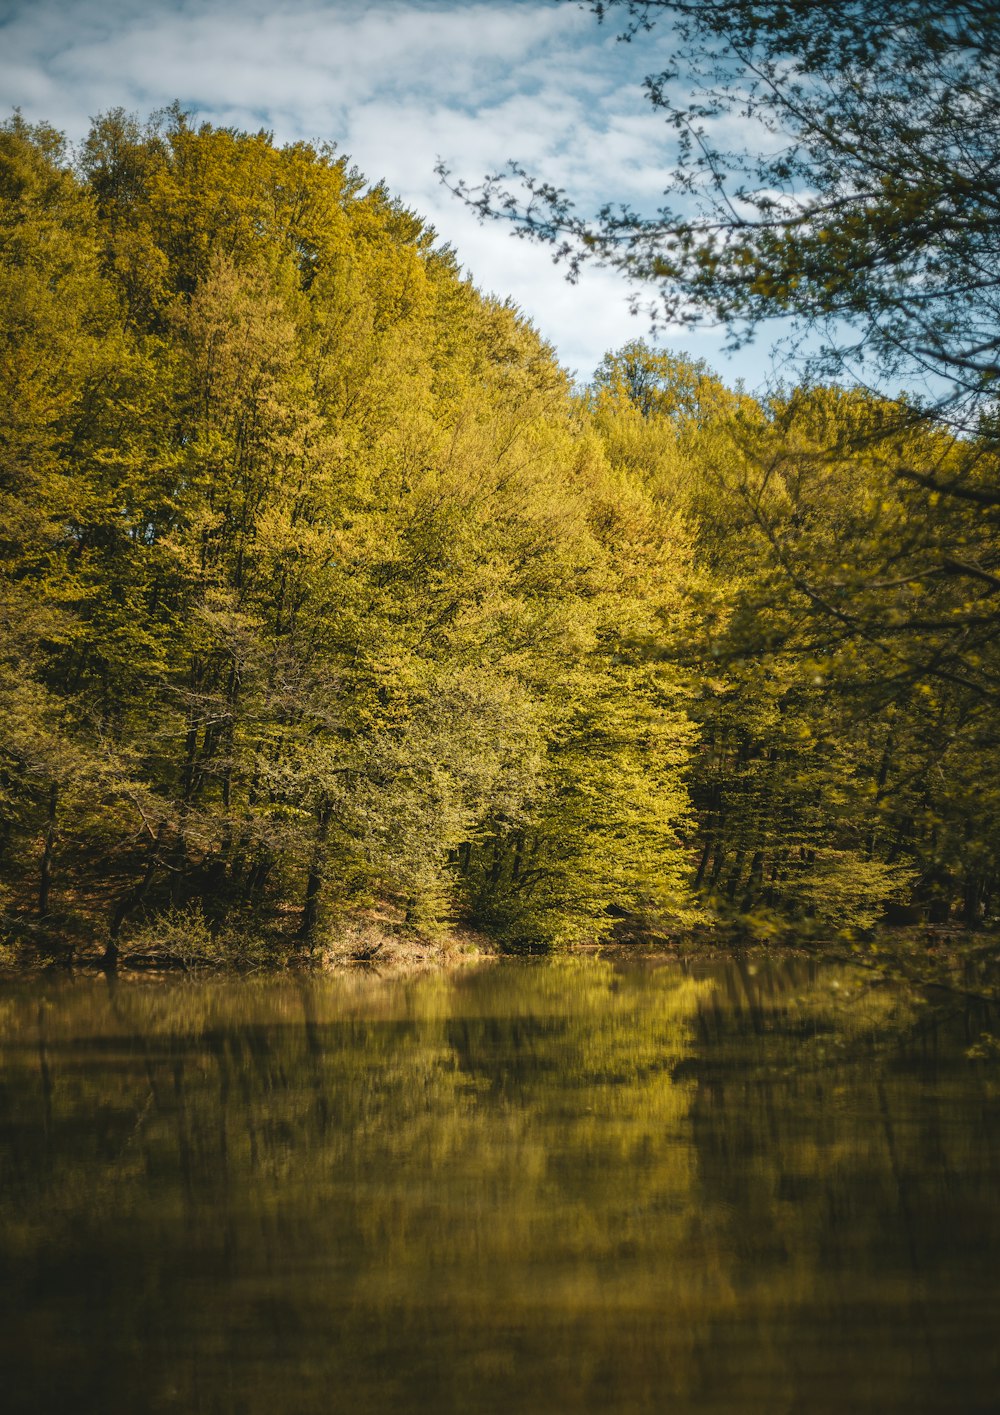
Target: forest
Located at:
point(326, 593)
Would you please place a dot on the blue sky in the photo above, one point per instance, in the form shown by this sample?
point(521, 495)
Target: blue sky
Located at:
point(396, 84)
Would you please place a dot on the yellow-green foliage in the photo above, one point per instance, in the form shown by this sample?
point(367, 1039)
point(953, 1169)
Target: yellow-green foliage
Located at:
point(331, 582)
point(322, 587)
point(842, 654)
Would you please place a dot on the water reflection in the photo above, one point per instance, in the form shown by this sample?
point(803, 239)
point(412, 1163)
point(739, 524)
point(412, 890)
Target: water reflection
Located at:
point(567, 1186)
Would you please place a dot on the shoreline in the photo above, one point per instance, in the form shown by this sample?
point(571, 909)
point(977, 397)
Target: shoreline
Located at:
point(954, 959)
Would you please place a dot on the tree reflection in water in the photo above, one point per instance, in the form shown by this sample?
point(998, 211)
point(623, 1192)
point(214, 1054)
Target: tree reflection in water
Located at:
point(567, 1186)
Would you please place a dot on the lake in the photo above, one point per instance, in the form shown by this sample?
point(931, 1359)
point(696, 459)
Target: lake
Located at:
point(576, 1185)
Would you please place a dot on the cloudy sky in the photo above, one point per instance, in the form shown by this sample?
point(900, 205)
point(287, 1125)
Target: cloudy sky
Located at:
point(395, 84)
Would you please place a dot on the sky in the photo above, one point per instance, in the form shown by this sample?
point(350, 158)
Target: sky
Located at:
point(396, 84)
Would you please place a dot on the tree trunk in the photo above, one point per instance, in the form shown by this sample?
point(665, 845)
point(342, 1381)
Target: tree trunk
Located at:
point(45, 874)
point(314, 880)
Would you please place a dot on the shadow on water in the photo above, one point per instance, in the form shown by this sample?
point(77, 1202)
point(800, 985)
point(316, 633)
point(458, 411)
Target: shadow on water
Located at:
point(559, 1186)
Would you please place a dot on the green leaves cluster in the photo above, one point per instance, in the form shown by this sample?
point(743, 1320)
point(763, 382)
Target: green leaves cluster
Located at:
point(323, 591)
point(319, 582)
point(845, 662)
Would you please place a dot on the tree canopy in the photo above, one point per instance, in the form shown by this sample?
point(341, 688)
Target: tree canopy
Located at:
point(857, 203)
point(325, 597)
point(318, 589)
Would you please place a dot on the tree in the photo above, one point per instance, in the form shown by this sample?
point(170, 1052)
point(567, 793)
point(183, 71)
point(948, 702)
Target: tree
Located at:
point(316, 580)
point(865, 206)
point(832, 774)
point(863, 209)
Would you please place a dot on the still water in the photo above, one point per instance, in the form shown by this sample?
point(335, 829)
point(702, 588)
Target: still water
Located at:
point(573, 1186)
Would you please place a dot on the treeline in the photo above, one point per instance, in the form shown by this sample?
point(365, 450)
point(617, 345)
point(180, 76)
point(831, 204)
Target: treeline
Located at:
point(323, 588)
